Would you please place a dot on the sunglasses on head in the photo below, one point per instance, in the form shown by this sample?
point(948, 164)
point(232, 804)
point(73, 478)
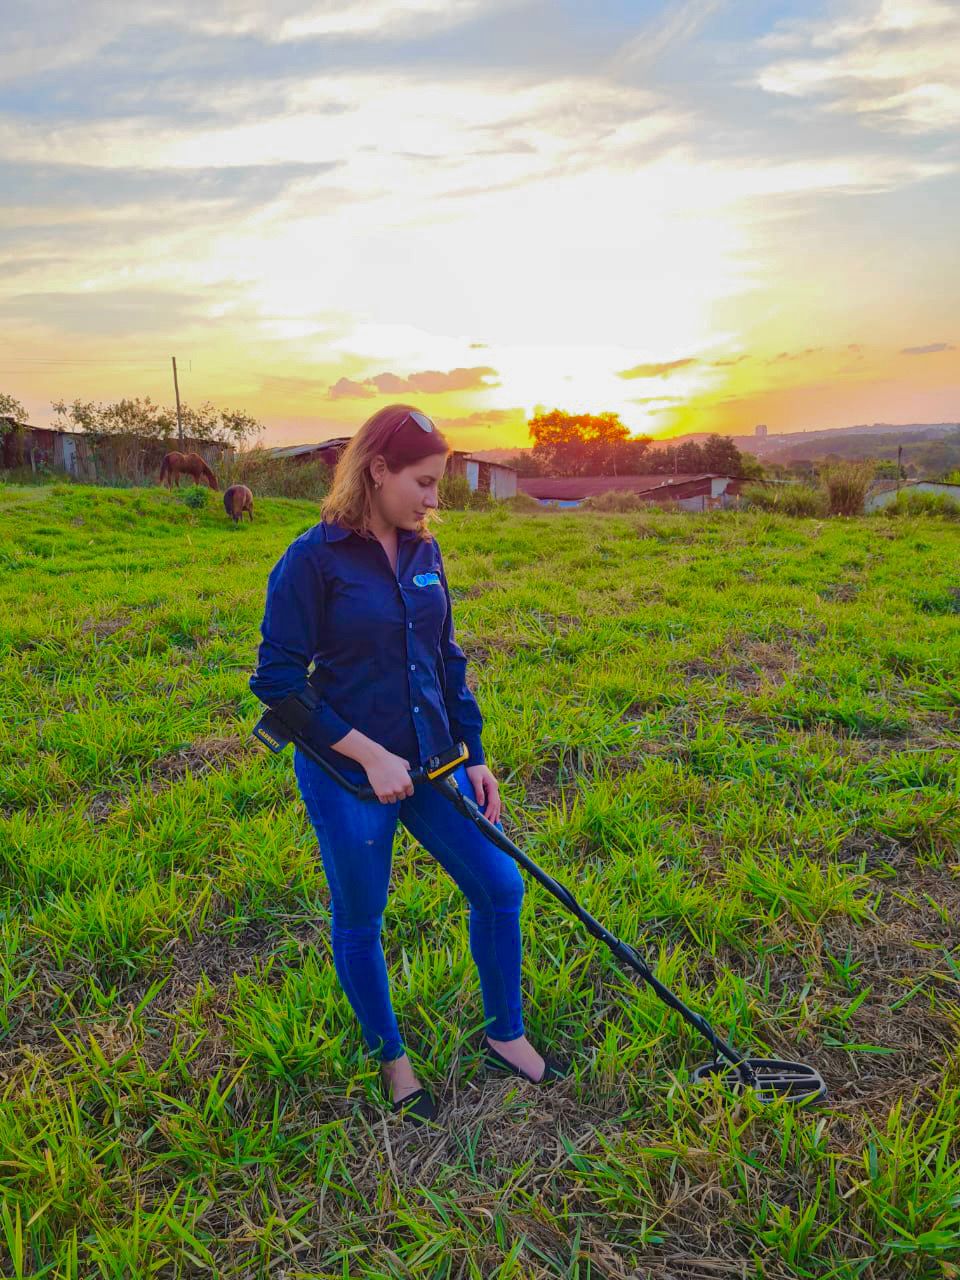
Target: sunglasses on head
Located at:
point(421, 420)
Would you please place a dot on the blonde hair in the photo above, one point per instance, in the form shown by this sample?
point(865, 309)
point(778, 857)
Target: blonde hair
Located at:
point(350, 500)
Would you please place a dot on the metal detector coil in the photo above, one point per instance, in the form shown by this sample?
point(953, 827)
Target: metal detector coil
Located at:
point(770, 1079)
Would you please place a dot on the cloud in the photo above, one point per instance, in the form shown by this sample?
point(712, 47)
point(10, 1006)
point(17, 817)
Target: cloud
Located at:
point(108, 313)
point(484, 418)
point(389, 383)
point(346, 389)
point(77, 191)
point(893, 63)
point(785, 356)
point(677, 25)
point(726, 364)
point(430, 382)
point(930, 349)
point(659, 370)
point(52, 34)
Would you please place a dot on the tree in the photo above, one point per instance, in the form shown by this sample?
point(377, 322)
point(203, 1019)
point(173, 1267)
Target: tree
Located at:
point(149, 421)
point(568, 444)
point(10, 407)
point(690, 457)
point(525, 464)
point(717, 454)
point(11, 438)
point(721, 456)
point(938, 458)
point(230, 426)
point(887, 469)
point(751, 468)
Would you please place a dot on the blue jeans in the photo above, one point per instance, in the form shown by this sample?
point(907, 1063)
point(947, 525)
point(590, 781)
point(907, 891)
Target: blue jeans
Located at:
point(356, 846)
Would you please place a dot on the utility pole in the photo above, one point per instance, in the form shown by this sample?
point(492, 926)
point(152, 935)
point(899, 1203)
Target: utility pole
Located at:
point(176, 390)
point(899, 452)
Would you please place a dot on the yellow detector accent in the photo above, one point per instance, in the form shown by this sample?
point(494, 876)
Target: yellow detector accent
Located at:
point(451, 764)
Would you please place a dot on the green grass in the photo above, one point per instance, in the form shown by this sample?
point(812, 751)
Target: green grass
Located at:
point(733, 735)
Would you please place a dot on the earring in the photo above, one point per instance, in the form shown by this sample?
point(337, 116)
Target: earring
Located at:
point(378, 485)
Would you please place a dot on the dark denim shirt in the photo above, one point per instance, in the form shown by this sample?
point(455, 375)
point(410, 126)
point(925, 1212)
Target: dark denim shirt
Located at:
point(385, 660)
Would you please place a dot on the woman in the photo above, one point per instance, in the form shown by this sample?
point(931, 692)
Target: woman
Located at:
point(363, 596)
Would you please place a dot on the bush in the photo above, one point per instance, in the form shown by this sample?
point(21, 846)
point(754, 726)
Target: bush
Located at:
point(455, 493)
point(197, 497)
point(614, 500)
point(522, 502)
point(803, 500)
point(276, 477)
point(788, 499)
point(760, 497)
point(27, 475)
point(482, 501)
point(847, 484)
point(912, 503)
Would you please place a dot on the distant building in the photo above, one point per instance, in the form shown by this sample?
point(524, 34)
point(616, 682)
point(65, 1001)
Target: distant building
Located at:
point(103, 459)
point(495, 478)
point(760, 431)
point(883, 497)
point(691, 492)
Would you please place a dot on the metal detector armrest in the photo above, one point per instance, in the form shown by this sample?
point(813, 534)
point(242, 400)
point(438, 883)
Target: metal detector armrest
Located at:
point(289, 722)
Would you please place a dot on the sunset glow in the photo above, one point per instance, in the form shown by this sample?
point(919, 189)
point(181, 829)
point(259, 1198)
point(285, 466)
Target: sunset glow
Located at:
point(700, 215)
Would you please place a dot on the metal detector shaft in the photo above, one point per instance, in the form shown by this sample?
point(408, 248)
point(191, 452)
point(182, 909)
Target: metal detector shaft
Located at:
point(622, 950)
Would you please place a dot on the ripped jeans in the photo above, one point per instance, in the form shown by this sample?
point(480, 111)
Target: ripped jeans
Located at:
point(356, 847)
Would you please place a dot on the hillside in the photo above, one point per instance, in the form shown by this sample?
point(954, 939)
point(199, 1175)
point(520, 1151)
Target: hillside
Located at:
point(734, 736)
point(936, 444)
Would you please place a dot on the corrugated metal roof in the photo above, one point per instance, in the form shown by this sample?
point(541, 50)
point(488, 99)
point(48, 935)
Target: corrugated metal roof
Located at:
point(906, 484)
point(294, 450)
point(676, 482)
point(484, 462)
point(571, 488)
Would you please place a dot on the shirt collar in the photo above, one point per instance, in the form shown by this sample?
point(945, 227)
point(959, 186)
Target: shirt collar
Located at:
point(333, 531)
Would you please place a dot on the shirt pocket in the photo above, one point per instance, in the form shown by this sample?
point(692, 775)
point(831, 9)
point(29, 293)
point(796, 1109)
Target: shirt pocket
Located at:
point(429, 602)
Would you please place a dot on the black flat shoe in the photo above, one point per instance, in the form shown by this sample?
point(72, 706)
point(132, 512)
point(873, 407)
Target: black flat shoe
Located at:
point(553, 1069)
point(418, 1107)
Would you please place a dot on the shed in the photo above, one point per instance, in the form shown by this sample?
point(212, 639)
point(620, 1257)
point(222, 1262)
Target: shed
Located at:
point(693, 492)
point(879, 498)
point(495, 478)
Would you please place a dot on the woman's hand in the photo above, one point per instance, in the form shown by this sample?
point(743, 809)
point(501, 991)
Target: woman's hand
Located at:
point(485, 791)
point(389, 775)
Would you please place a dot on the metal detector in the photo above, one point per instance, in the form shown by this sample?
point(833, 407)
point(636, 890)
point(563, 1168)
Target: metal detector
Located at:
point(768, 1079)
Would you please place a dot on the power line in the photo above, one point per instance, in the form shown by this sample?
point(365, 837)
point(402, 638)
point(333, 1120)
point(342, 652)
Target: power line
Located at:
point(110, 364)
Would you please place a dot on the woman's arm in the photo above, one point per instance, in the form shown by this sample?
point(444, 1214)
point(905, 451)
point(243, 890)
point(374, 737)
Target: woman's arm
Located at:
point(291, 628)
point(290, 631)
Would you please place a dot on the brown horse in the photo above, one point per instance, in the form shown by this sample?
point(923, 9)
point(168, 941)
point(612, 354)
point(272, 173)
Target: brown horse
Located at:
point(174, 465)
point(237, 500)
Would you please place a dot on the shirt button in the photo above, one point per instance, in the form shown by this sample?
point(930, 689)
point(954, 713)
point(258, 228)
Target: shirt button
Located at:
point(413, 666)
point(410, 625)
point(416, 708)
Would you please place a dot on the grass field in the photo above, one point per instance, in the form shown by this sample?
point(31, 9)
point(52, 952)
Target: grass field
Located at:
point(734, 736)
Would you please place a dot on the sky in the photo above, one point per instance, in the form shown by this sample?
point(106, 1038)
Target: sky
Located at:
point(700, 215)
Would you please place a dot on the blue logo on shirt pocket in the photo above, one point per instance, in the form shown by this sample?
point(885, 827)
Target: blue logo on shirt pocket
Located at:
point(426, 580)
